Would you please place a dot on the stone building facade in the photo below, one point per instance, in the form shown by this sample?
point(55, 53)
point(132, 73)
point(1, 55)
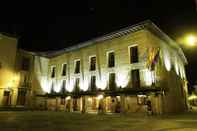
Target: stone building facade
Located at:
point(15, 73)
point(8, 76)
point(130, 70)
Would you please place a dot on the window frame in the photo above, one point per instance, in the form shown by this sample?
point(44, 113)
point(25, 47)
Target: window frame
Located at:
point(109, 84)
point(77, 84)
point(137, 77)
point(129, 52)
point(91, 88)
point(108, 52)
point(63, 69)
point(75, 65)
point(90, 62)
point(52, 66)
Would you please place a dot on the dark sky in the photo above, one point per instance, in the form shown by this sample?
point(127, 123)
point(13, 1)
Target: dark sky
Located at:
point(55, 25)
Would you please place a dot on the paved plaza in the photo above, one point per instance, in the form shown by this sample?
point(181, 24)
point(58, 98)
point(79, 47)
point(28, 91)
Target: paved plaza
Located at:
point(61, 121)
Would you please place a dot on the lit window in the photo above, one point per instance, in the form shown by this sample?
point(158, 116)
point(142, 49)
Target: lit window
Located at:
point(64, 68)
point(133, 54)
point(93, 63)
point(53, 72)
point(111, 59)
point(112, 81)
point(77, 66)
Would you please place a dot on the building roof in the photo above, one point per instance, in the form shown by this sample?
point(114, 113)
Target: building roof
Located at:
point(3, 34)
point(149, 25)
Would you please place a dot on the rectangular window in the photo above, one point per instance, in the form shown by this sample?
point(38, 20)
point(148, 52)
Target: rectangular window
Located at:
point(77, 87)
point(77, 66)
point(6, 93)
point(93, 63)
point(64, 68)
point(53, 72)
point(111, 59)
point(63, 87)
point(93, 83)
point(135, 75)
point(112, 81)
point(25, 64)
point(133, 54)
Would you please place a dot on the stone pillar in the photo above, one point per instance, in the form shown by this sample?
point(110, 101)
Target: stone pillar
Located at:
point(104, 105)
point(101, 106)
point(122, 103)
point(71, 105)
point(1, 97)
point(161, 104)
point(56, 104)
point(14, 94)
point(28, 100)
point(83, 105)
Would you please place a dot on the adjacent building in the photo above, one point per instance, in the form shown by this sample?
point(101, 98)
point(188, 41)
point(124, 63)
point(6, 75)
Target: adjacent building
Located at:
point(8, 76)
point(124, 71)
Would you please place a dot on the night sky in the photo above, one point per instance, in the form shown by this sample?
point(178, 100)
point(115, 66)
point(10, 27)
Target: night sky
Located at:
point(52, 26)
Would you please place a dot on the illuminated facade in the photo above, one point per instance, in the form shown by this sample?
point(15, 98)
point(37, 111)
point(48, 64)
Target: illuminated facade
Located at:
point(118, 72)
point(8, 76)
point(15, 74)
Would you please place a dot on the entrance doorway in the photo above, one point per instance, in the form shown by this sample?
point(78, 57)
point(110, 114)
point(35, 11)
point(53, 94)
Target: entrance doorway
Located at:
point(7, 98)
point(92, 103)
point(76, 104)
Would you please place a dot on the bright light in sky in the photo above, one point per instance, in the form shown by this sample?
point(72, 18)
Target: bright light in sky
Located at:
point(191, 40)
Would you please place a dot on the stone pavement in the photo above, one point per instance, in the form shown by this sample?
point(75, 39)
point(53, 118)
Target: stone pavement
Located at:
point(61, 121)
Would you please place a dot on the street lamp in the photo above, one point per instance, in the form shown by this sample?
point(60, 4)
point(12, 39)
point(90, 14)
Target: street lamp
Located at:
point(191, 40)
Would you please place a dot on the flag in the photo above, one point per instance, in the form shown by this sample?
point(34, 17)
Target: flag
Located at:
point(152, 58)
point(155, 60)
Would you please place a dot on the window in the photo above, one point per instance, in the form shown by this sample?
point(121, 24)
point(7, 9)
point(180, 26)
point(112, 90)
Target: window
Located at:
point(52, 88)
point(64, 68)
point(77, 66)
point(7, 98)
point(92, 63)
point(76, 87)
point(6, 93)
point(112, 81)
point(53, 72)
point(135, 78)
point(93, 83)
point(25, 63)
point(133, 54)
point(111, 59)
point(63, 88)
